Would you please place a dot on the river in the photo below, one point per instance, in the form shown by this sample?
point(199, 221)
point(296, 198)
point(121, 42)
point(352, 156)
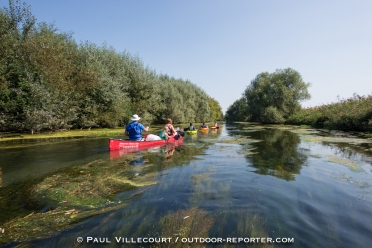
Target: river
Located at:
point(243, 185)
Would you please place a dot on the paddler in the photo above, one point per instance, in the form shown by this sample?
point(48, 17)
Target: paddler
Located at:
point(168, 128)
point(204, 125)
point(191, 127)
point(134, 129)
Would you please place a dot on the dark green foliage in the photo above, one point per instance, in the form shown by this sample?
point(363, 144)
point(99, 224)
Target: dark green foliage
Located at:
point(238, 111)
point(49, 82)
point(349, 114)
point(270, 98)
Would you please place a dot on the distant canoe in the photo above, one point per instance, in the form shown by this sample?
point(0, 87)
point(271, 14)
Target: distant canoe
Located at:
point(215, 127)
point(191, 132)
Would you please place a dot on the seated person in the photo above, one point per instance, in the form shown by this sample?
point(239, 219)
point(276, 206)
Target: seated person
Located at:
point(191, 127)
point(216, 124)
point(134, 129)
point(204, 125)
point(169, 129)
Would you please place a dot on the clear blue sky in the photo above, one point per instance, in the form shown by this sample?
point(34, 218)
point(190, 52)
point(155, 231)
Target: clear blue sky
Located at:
point(222, 45)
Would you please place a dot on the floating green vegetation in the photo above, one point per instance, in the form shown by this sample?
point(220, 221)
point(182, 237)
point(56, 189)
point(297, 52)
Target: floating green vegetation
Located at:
point(27, 140)
point(101, 132)
point(367, 135)
point(254, 128)
point(188, 223)
point(90, 185)
point(359, 183)
point(75, 194)
point(47, 224)
point(314, 135)
point(238, 140)
point(247, 151)
point(316, 155)
point(316, 138)
point(352, 165)
point(304, 131)
point(223, 148)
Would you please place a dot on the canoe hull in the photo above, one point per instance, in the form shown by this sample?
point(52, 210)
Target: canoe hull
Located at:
point(191, 132)
point(204, 129)
point(118, 144)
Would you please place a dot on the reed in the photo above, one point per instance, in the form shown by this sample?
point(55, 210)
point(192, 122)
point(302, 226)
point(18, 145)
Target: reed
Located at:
point(354, 113)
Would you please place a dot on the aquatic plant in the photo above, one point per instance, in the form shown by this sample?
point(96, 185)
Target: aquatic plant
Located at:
point(189, 223)
point(352, 165)
point(46, 224)
point(238, 140)
point(77, 193)
point(90, 185)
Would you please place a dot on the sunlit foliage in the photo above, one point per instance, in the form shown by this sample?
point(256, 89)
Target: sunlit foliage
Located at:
point(238, 111)
point(270, 98)
point(273, 97)
point(349, 114)
point(49, 82)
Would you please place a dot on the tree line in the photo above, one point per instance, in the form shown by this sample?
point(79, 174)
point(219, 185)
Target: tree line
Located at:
point(275, 98)
point(48, 81)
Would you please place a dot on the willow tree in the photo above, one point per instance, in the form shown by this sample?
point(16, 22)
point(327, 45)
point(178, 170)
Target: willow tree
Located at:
point(237, 111)
point(216, 110)
point(15, 25)
point(48, 81)
point(273, 97)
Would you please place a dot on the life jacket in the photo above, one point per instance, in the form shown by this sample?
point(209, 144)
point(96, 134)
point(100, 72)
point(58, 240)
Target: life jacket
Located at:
point(134, 131)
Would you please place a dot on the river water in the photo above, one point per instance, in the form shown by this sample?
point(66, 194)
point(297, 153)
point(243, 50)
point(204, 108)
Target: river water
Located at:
point(226, 187)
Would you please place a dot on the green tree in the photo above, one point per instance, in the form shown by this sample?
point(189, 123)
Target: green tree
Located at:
point(272, 98)
point(216, 110)
point(15, 25)
point(49, 82)
point(238, 111)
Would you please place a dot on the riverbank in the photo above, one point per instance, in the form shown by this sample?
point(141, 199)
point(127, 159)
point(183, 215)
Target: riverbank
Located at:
point(353, 114)
point(8, 138)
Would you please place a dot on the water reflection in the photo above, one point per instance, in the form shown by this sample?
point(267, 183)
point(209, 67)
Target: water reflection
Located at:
point(279, 155)
point(352, 152)
point(203, 189)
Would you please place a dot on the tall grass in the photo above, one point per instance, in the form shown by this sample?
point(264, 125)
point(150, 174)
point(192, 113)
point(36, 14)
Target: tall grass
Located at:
point(354, 113)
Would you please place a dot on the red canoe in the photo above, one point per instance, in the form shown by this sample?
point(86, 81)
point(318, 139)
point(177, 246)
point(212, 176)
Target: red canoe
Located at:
point(116, 144)
point(215, 127)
